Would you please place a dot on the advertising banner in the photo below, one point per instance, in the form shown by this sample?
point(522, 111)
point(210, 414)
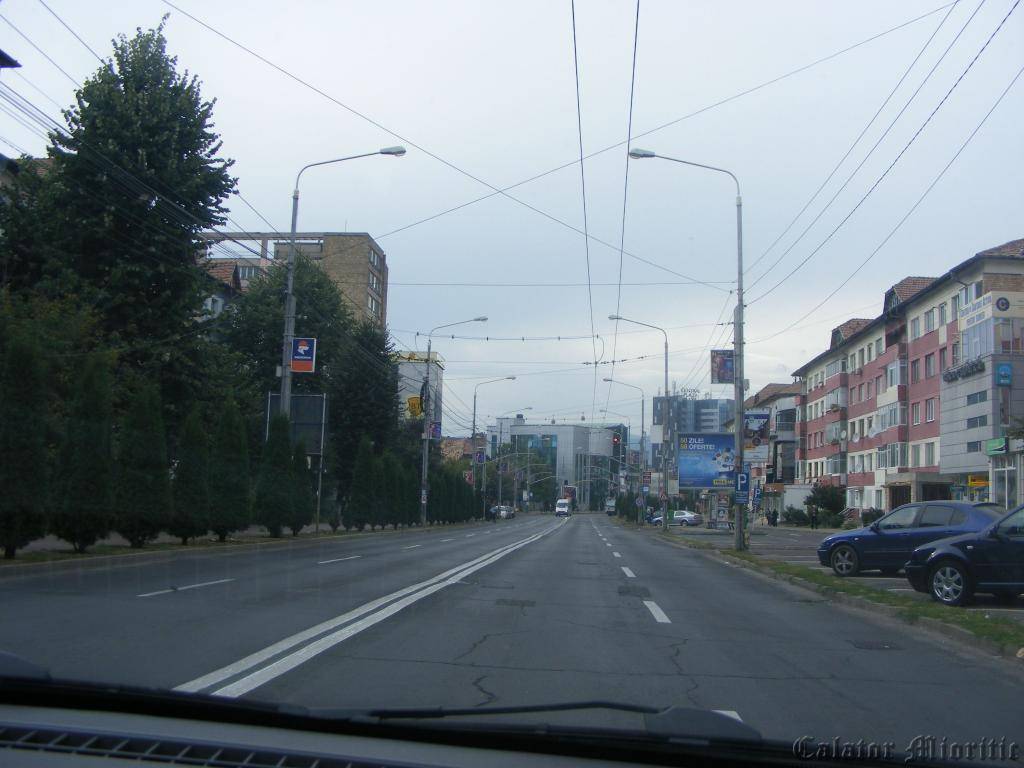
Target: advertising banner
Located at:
point(755, 436)
point(706, 461)
point(303, 355)
point(723, 370)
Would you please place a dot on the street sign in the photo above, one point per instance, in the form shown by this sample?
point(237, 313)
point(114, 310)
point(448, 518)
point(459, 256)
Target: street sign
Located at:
point(646, 489)
point(435, 430)
point(481, 457)
point(1004, 375)
point(467, 475)
point(423, 496)
point(303, 355)
point(742, 487)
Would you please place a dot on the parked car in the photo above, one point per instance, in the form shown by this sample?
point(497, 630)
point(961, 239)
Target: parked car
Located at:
point(506, 512)
point(492, 514)
point(686, 517)
point(886, 544)
point(991, 560)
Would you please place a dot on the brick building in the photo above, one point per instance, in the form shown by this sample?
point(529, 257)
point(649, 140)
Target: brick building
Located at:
point(897, 409)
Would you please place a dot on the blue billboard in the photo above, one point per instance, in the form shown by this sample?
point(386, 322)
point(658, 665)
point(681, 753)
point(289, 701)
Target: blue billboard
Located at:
point(707, 461)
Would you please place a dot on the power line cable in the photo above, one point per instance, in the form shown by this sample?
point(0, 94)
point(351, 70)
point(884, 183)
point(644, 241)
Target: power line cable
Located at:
point(906, 216)
point(892, 165)
point(40, 51)
point(75, 34)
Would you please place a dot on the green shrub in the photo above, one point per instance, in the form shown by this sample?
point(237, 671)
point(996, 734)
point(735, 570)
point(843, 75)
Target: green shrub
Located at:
point(794, 516)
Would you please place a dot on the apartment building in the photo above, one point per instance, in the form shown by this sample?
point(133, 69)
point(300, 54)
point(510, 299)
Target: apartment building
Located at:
point(900, 407)
point(352, 260)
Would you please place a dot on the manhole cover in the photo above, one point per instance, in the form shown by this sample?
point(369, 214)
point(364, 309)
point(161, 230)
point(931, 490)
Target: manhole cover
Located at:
point(875, 645)
point(634, 591)
point(515, 603)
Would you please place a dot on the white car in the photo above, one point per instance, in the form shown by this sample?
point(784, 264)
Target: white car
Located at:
point(686, 517)
point(562, 508)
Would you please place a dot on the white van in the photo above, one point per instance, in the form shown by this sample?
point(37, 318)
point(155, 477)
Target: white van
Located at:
point(562, 508)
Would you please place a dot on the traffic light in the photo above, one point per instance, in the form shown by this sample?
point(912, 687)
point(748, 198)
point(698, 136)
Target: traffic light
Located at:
point(616, 438)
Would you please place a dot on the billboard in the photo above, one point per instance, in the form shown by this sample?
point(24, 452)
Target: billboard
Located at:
point(706, 461)
point(723, 370)
point(755, 436)
point(303, 355)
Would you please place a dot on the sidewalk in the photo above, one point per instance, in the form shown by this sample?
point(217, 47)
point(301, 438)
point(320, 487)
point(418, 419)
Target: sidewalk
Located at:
point(798, 546)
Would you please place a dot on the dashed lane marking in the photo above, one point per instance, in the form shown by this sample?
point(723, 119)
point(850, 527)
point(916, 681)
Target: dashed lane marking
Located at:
point(339, 559)
point(658, 614)
point(628, 572)
point(182, 589)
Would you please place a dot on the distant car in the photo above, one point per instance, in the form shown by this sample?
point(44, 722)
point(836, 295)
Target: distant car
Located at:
point(506, 513)
point(991, 560)
point(886, 544)
point(492, 514)
point(686, 517)
point(562, 508)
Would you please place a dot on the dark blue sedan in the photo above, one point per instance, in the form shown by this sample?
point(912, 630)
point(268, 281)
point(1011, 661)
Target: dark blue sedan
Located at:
point(991, 560)
point(886, 544)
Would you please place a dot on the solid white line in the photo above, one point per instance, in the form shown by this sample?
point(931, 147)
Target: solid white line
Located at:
point(412, 546)
point(182, 589)
point(657, 613)
point(259, 657)
point(339, 559)
point(444, 540)
point(291, 661)
point(616, 554)
point(628, 572)
point(470, 534)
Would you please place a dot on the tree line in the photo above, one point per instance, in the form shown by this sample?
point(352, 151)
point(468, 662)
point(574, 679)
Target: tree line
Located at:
point(128, 407)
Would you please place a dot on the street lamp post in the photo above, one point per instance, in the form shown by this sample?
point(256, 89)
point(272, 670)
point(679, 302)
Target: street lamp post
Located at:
point(623, 446)
point(738, 385)
point(665, 430)
point(483, 464)
point(643, 453)
point(501, 474)
point(428, 421)
point(289, 296)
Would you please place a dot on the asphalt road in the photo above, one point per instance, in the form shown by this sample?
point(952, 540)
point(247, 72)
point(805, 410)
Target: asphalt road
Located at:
point(518, 612)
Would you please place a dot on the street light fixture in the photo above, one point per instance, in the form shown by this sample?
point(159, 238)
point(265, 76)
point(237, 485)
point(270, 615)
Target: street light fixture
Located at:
point(665, 431)
point(289, 296)
point(643, 453)
point(738, 389)
point(428, 421)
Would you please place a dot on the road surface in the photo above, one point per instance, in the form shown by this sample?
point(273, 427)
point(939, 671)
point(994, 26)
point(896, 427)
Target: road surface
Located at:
point(526, 611)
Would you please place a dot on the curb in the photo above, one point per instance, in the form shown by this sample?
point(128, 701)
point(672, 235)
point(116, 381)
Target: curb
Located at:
point(950, 632)
point(130, 558)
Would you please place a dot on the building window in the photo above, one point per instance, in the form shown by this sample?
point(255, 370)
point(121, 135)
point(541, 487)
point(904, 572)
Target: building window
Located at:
point(929, 320)
point(373, 305)
point(871, 420)
point(974, 446)
point(882, 457)
point(915, 371)
point(869, 390)
point(956, 352)
point(977, 397)
point(915, 328)
point(978, 288)
point(977, 421)
point(853, 395)
point(929, 409)
point(929, 454)
point(929, 365)
point(915, 412)
point(860, 357)
point(868, 459)
point(375, 282)
point(860, 393)
point(942, 359)
point(374, 258)
point(954, 305)
point(878, 347)
point(879, 499)
point(977, 340)
point(870, 351)
point(915, 455)
point(879, 389)
point(942, 313)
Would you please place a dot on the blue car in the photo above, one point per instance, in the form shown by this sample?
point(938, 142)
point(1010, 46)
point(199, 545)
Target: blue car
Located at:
point(886, 544)
point(991, 560)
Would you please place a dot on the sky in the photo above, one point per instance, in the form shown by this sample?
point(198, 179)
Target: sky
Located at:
point(484, 96)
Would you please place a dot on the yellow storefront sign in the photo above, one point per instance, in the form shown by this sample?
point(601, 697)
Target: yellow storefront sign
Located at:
point(977, 481)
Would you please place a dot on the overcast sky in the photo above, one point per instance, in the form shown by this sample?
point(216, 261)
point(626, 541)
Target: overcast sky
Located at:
point(489, 87)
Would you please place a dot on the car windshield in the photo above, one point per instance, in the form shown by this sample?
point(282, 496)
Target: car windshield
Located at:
point(467, 355)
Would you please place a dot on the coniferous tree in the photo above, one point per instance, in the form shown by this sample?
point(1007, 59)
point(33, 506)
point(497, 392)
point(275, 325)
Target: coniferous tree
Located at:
point(303, 506)
point(23, 459)
point(361, 499)
point(191, 515)
point(272, 506)
point(230, 496)
point(84, 509)
point(143, 480)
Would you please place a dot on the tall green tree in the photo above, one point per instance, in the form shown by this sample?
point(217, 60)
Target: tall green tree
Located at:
point(143, 479)
point(23, 457)
point(273, 502)
point(84, 508)
point(362, 493)
point(230, 495)
point(191, 514)
point(392, 481)
point(303, 502)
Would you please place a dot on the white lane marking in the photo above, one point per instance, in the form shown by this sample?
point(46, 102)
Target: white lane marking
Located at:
point(628, 572)
point(616, 554)
point(304, 654)
point(182, 589)
point(339, 559)
point(470, 534)
point(607, 544)
point(444, 540)
point(412, 546)
point(657, 613)
point(729, 713)
point(259, 657)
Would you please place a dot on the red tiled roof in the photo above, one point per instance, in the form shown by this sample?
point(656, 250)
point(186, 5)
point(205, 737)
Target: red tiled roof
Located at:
point(910, 286)
point(224, 273)
point(770, 392)
point(1012, 248)
point(852, 326)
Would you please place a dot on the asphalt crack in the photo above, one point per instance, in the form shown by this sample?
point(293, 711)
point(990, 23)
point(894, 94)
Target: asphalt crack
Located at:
point(489, 698)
